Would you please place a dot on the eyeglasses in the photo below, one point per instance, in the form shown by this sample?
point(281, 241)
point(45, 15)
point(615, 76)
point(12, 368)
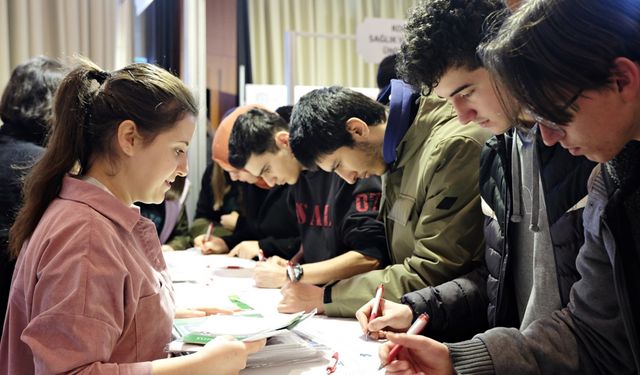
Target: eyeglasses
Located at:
point(548, 123)
point(542, 121)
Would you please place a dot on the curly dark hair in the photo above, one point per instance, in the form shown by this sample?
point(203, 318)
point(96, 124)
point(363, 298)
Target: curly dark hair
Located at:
point(443, 34)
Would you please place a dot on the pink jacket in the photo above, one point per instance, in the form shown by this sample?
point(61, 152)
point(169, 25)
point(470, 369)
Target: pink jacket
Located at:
point(91, 293)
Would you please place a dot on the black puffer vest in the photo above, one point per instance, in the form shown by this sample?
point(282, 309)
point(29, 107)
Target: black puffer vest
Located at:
point(564, 180)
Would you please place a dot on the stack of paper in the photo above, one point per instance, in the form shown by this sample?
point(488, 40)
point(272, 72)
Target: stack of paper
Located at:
point(288, 347)
point(283, 345)
point(247, 326)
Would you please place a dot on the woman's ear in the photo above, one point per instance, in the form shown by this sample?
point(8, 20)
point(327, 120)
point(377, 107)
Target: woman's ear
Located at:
point(128, 137)
point(282, 139)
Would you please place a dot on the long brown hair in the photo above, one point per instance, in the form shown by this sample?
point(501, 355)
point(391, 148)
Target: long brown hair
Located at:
point(219, 185)
point(89, 105)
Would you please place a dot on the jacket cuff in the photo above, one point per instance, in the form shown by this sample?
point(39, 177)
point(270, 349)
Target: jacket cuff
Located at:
point(326, 299)
point(416, 305)
point(471, 357)
point(265, 246)
point(332, 308)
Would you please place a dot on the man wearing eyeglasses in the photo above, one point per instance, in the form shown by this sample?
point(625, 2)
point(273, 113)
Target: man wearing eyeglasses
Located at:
point(532, 194)
point(575, 66)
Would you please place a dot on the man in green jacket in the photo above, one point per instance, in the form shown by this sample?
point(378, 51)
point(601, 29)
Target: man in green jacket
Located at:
point(430, 205)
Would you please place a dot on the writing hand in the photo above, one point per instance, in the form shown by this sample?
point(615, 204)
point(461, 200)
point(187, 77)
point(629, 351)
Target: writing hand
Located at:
point(394, 316)
point(269, 275)
point(215, 245)
point(277, 260)
point(245, 250)
point(418, 355)
point(301, 296)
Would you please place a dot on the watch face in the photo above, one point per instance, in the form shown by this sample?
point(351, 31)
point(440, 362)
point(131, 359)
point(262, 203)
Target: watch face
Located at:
point(294, 272)
point(298, 272)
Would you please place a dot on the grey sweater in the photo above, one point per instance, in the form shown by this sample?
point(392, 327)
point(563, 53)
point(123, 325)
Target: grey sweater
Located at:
point(594, 334)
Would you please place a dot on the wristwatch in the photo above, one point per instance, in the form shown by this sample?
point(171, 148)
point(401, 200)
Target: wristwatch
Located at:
point(297, 271)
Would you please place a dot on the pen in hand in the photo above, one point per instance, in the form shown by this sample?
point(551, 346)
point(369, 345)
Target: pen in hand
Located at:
point(207, 236)
point(375, 310)
point(415, 329)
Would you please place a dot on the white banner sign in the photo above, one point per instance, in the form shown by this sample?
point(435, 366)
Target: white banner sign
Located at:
point(378, 37)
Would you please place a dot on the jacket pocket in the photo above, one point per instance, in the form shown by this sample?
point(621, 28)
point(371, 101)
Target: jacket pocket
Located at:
point(153, 321)
point(401, 210)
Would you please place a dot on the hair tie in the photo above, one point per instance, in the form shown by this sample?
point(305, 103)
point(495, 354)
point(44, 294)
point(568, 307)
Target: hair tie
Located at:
point(99, 75)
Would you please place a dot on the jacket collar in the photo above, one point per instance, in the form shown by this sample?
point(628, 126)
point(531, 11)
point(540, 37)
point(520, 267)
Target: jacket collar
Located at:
point(429, 115)
point(74, 189)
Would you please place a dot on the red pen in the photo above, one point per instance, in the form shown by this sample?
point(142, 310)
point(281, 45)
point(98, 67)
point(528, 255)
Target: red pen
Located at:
point(209, 230)
point(331, 368)
point(376, 304)
point(415, 329)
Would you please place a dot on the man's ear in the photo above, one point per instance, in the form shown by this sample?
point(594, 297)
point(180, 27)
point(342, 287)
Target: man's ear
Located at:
point(128, 137)
point(626, 77)
point(358, 129)
point(282, 139)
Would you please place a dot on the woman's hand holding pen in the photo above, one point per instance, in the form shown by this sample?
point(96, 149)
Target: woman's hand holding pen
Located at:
point(392, 316)
point(418, 355)
point(246, 250)
point(212, 245)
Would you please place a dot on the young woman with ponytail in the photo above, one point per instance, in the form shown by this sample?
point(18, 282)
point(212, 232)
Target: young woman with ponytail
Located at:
point(91, 293)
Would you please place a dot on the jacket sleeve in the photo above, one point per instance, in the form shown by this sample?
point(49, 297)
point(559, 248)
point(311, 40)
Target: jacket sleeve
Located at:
point(245, 228)
point(243, 232)
point(587, 337)
point(457, 309)
point(361, 231)
point(78, 302)
point(204, 206)
point(285, 248)
point(447, 241)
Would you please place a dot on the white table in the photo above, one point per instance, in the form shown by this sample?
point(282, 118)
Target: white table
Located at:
point(205, 280)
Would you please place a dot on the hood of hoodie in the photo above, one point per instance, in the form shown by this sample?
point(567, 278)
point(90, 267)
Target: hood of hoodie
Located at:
point(516, 177)
point(220, 143)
